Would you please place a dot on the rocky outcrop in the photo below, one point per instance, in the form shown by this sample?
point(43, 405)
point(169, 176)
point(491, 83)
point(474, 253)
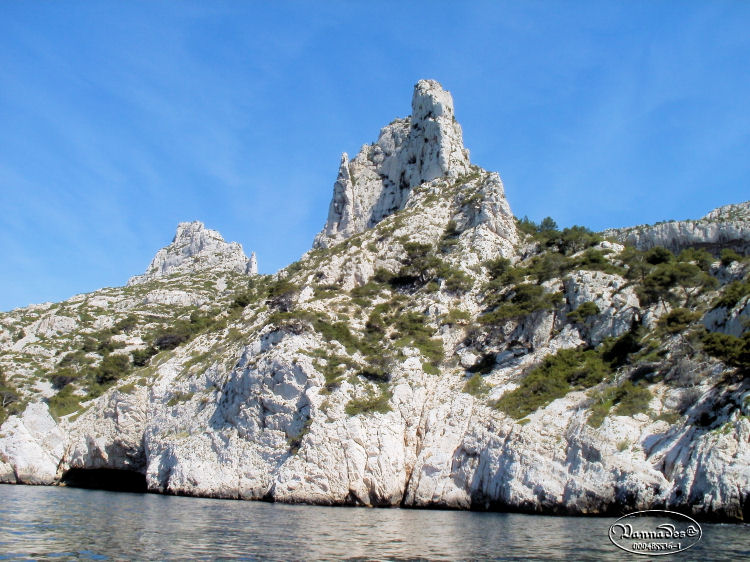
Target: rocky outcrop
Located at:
point(368, 373)
point(31, 447)
point(196, 248)
point(613, 297)
point(725, 227)
point(733, 321)
point(266, 430)
point(409, 152)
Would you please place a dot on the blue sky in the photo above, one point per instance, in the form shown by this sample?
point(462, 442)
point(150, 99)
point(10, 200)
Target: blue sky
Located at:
point(121, 119)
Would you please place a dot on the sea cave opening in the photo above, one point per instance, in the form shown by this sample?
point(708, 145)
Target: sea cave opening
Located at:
point(105, 479)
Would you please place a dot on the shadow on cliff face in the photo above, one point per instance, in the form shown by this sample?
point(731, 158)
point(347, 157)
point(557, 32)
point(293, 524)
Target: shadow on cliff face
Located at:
point(105, 479)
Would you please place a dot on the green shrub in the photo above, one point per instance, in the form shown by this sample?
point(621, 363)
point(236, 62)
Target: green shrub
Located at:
point(184, 330)
point(595, 260)
point(502, 274)
point(554, 378)
point(373, 402)
point(527, 226)
point(583, 312)
point(732, 294)
point(76, 359)
point(498, 267)
point(420, 265)
point(731, 350)
point(658, 284)
point(368, 290)
point(547, 225)
point(241, 300)
point(10, 400)
point(382, 275)
point(617, 351)
point(456, 281)
point(629, 399)
point(63, 377)
point(333, 370)
point(179, 397)
point(256, 290)
point(339, 332)
point(378, 368)
point(550, 265)
point(327, 291)
point(700, 257)
point(632, 399)
point(571, 240)
point(413, 331)
point(728, 256)
point(126, 325)
point(524, 299)
point(281, 294)
point(476, 386)
point(112, 368)
point(141, 357)
point(658, 255)
point(449, 239)
point(456, 316)
point(90, 344)
point(64, 402)
point(678, 319)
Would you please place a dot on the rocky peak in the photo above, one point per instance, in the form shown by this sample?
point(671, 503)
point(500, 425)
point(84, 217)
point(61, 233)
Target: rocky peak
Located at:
point(197, 248)
point(409, 152)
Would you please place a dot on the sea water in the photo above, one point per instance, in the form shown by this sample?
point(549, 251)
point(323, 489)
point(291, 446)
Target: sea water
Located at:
point(70, 523)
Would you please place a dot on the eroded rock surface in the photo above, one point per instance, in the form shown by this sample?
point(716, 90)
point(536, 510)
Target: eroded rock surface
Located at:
point(725, 227)
point(346, 379)
point(197, 248)
point(409, 152)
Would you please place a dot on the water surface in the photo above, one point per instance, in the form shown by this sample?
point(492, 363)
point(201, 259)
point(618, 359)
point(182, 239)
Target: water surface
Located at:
point(64, 523)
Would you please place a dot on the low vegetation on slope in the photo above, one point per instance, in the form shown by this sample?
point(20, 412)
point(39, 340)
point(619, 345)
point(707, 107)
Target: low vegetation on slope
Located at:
point(379, 324)
point(678, 289)
point(84, 359)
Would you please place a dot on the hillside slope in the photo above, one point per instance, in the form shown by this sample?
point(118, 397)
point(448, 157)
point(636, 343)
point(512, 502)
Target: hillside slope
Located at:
point(429, 351)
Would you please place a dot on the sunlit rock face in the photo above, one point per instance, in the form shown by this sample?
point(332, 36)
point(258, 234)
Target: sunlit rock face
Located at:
point(346, 378)
point(725, 227)
point(409, 152)
point(197, 248)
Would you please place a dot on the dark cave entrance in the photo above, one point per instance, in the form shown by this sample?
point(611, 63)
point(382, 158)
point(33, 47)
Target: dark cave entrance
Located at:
point(105, 479)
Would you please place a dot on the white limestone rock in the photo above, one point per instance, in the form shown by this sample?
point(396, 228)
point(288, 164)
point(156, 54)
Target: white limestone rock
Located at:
point(246, 410)
point(725, 227)
point(408, 153)
point(614, 297)
point(734, 321)
point(490, 222)
point(110, 435)
point(31, 445)
point(197, 248)
point(174, 297)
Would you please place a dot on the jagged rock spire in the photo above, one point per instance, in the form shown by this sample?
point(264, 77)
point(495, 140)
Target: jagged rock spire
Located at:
point(197, 248)
point(377, 182)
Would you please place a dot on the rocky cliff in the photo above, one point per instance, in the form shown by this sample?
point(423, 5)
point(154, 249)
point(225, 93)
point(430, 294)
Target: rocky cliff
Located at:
point(727, 227)
point(429, 351)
